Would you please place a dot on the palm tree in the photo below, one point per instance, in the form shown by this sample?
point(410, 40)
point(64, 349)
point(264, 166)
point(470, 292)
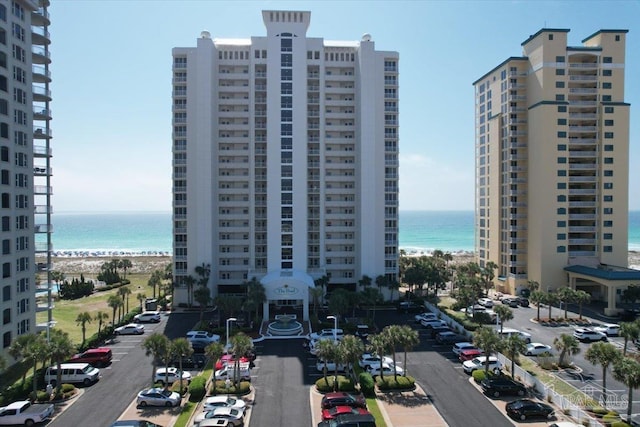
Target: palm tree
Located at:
point(393, 335)
point(351, 347)
point(82, 320)
point(100, 317)
point(157, 346)
point(114, 302)
point(630, 331)
point(504, 314)
point(202, 296)
point(488, 274)
point(189, 281)
point(581, 297)
point(550, 300)
point(603, 354)
point(181, 347)
point(141, 298)
point(566, 345)
point(315, 294)
point(488, 340)
point(327, 350)
point(380, 344)
point(214, 351)
point(256, 295)
point(241, 344)
point(538, 298)
point(565, 296)
point(228, 304)
point(408, 339)
point(59, 348)
point(124, 264)
point(124, 292)
point(31, 347)
point(627, 371)
point(513, 346)
point(533, 285)
point(155, 280)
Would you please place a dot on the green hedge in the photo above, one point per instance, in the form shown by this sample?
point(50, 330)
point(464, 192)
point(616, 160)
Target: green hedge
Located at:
point(197, 389)
point(221, 388)
point(344, 384)
point(367, 385)
point(620, 424)
point(397, 383)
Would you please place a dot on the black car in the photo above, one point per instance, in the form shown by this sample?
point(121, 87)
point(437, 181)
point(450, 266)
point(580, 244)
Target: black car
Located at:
point(362, 331)
point(195, 361)
point(524, 302)
point(523, 409)
point(341, 398)
point(511, 302)
point(435, 331)
point(410, 307)
point(499, 386)
point(449, 337)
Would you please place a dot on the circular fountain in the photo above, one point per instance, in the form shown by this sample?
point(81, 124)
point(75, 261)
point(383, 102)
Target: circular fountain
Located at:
point(285, 324)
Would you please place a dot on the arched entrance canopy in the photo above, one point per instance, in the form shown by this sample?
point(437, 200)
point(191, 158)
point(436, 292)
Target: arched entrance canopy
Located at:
point(287, 285)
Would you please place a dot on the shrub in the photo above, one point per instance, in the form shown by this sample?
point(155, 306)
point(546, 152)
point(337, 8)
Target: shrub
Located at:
point(478, 375)
point(344, 384)
point(42, 396)
point(221, 388)
point(398, 383)
point(176, 387)
point(610, 418)
point(66, 388)
point(620, 424)
point(197, 389)
point(367, 385)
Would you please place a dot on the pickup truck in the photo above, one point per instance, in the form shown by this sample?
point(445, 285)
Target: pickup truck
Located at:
point(25, 413)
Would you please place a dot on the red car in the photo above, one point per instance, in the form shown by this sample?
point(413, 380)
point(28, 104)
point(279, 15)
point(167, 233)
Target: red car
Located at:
point(228, 359)
point(341, 398)
point(330, 414)
point(470, 354)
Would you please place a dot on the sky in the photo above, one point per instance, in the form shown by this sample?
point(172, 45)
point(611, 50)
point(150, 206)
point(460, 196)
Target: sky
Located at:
point(111, 70)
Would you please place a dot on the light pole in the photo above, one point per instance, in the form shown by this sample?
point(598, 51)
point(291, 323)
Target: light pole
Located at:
point(229, 320)
point(335, 327)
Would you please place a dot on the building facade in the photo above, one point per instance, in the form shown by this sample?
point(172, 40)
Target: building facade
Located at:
point(285, 162)
point(552, 168)
point(25, 157)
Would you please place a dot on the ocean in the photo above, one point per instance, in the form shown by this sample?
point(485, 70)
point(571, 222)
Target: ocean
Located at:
point(117, 234)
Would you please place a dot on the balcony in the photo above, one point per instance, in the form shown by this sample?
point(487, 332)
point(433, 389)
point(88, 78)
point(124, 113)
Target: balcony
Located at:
point(40, 113)
point(43, 247)
point(40, 74)
point(42, 190)
point(582, 129)
point(42, 209)
point(583, 191)
point(40, 55)
point(582, 166)
point(40, 17)
point(41, 94)
point(583, 91)
point(43, 228)
point(584, 65)
point(584, 78)
point(41, 151)
point(41, 171)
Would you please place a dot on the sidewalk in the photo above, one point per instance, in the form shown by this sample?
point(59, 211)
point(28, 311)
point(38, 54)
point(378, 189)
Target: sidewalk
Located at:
point(400, 409)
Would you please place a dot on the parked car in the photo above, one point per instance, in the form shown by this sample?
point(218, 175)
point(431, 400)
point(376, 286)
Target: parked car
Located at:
point(232, 415)
point(73, 373)
point(448, 337)
point(130, 329)
point(609, 329)
point(410, 307)
point(350, 420)
point(158, 397)
point(134, 423)
point(523, 409)
point(387, 369)
point(480, 362)
point(433, 332)
point(536, 349)
point(98, 357)
point(507, 332)
point(430, 323)
point(368, 359)
point(24, 412)
point(426, 316)
point(227, 372)
point(511, 302)
point(331, 366)
point(194, 361)
point(327, 333)
point(486, 302)
point(362, 331)
point(213, 422)
point(203, 335)
point(229, 359)
point(147, 317)
point(589, 335)
point(497, 387)
point(470, 354)
point(459, 346)
point(332, 413)
point(342, 398)
point(222, 401)
point(171, 375)
point(524, 302)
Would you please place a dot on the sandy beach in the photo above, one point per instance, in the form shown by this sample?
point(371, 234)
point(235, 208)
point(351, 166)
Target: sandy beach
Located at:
point(147, 264)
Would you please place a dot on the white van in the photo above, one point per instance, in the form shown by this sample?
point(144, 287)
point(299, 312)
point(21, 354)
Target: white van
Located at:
point(507, 332)
point(78, 373)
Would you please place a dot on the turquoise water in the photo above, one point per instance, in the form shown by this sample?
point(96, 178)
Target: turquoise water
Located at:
point(136, 233)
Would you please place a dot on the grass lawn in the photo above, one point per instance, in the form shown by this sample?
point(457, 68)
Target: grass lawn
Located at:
point(372, 406)
point(66, 311)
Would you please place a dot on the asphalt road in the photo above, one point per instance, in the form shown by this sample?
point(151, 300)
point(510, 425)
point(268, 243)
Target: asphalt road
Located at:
point(130, 371)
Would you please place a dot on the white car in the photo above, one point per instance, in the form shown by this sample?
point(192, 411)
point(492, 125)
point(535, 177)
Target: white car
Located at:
point(130, 329)
point(609, 329)
point(232, 415)
point(203, 336)
point(536, 349)
point(368, 359)
point(433, 323)
point(460, 346)
point(171, 375)
point(387, 369)
point(327, 333)
point(147, 316)
point(222, 401)
point(158, 397)
point(486, 302)
point(426, 316)
point(227, 372)
point(479, 363)
point(507, 332)
point(331, 366)
point(586, 334)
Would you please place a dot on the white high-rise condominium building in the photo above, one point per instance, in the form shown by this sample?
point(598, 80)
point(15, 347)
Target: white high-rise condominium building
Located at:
point(25, 156)
point(285, 162)
point(552, 166)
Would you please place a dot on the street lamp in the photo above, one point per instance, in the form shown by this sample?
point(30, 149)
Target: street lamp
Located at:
point(335, 327)
point(229, 320)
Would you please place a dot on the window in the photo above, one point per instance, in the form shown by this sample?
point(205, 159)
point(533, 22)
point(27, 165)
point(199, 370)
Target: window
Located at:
point(286, 60)
point(562, 186)
point(562, 147)
point(559, 71)
point(608, 160)
point(607, 60)
point(608, 110)
point(561, 224)
point(559, 85)
point(562, 134)
point(562, 211)
point(6, 293)
point(559, 97)
point(608, 135)
point(607, 211)
point(6, 316)
point(608, 122)
point(286, 74)
point(608, 185)
point(607, 224)
point(562, 108)
point(608, 173)
point(6, 270)
point(559, 58)
point(608, 198)
point(562, 160)
point(562, 122)
point(562, 198)
point(606, 98)
point(606, 73)
point(550, 36)
point(561, 249)
point(562, 172)
point(608, 248)
point(561, 236)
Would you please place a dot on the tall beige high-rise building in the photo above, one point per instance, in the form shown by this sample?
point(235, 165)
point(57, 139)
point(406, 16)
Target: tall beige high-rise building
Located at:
point(285, 163)
point(25, 165)
point(552, 168)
